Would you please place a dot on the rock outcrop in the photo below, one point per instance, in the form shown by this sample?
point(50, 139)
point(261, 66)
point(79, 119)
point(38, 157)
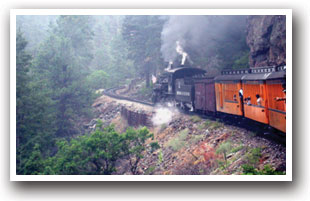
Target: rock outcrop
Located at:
point(266, 37)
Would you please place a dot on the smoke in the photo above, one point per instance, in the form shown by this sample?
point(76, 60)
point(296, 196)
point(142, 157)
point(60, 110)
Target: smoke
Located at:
point(164, 114)
point(180, 50)
point(197, 32)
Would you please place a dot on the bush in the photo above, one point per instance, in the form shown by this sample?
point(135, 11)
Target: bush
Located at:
point(98, 152)
point(178, 142)
point(236, 149)
point(268, 170)
point(160, 157)
point(97, 79)
point(224, 148)
point(253, 156)
point(195, 138)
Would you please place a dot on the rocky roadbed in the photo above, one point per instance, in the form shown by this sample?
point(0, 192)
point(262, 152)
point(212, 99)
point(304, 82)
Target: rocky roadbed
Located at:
point(190, 145)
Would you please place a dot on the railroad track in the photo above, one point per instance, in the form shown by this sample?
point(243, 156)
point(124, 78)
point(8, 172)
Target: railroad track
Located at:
point(112, 93)
point(257, 128)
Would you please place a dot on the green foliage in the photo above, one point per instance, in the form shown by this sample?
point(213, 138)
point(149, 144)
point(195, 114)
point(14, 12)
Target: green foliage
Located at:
point(111, 51)
point(195, 119)
point(154, 146)
point(34, 118)
point(97, 79)
point(63, 61)
point(253, 156)
point(35, 29)
point(98, 152)
point(135, 146)
point(213, 125)
point(224, 148)
point(179, 141)
point(242, 62)
point(146, 91)
point(195, 138)
point(149, 170)
point(143, 37)
point(88, 154)
point(34, 165)
point(268, 170)
point(236, 149)
point(160, 157)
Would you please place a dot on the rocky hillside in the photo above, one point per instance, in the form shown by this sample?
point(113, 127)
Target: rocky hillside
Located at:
point(266, 37)
point(194, 146)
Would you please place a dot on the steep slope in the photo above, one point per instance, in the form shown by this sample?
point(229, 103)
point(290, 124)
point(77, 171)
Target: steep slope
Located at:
point(266, 37)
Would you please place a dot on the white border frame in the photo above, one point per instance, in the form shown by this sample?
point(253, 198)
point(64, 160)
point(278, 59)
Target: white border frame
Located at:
point(14, 177)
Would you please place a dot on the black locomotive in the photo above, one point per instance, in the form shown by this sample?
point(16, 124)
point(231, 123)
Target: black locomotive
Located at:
point(255, 93)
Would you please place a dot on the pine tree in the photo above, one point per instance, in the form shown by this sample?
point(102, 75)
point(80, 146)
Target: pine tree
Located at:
point(33, 118)
point(64, 61)
point(142, 34)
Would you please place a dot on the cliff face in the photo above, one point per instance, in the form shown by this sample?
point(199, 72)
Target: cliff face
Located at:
point(266, 37)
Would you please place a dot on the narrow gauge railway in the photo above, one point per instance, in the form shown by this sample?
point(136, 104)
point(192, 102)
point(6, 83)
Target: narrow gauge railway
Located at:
point(258, 94)
point(257, 128)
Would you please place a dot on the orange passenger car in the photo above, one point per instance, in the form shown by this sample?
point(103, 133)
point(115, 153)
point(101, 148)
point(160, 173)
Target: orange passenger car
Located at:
point(227, 88)
point(276, 94)
point(263, 96)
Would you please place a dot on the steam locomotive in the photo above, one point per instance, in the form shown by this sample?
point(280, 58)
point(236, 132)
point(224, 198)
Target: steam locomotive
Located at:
point(255, 93)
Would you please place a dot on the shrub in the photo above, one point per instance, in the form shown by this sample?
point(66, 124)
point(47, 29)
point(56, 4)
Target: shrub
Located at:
point(224, 148)
point(253, 156)
point(178, 142)
point(236, 149)
point(195, 138)
point(160, 157)
point(268, 170)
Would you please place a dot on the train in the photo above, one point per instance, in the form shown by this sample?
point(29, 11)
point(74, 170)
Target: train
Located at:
point(258, 94)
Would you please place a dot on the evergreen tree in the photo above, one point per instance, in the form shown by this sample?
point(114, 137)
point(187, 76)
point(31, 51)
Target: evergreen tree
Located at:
point(142, 34)
point(64, 61)
point(110, 52)
point(33, 117)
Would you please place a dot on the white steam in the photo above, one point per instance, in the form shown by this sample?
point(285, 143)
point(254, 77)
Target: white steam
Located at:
point(180, 51)
point(164, 115)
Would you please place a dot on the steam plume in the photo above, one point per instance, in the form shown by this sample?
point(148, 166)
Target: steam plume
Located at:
point(183, 34)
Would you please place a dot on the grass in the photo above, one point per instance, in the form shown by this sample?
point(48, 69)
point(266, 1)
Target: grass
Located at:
point(160, 157)
point(195, 138)
point(212, 125)
point(179, 141)
point(236, 149)
point(196, 119)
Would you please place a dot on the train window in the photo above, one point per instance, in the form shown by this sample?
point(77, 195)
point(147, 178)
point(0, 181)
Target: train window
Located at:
point(230, 91)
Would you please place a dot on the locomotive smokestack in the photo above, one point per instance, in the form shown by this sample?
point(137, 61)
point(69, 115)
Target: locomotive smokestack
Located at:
point(180, 51)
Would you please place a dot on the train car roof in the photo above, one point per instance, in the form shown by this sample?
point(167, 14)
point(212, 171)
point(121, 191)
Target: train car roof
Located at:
point(257, 74)
point(254, 74)
point(232, 75)
point(229, 77)
point(185, 71)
